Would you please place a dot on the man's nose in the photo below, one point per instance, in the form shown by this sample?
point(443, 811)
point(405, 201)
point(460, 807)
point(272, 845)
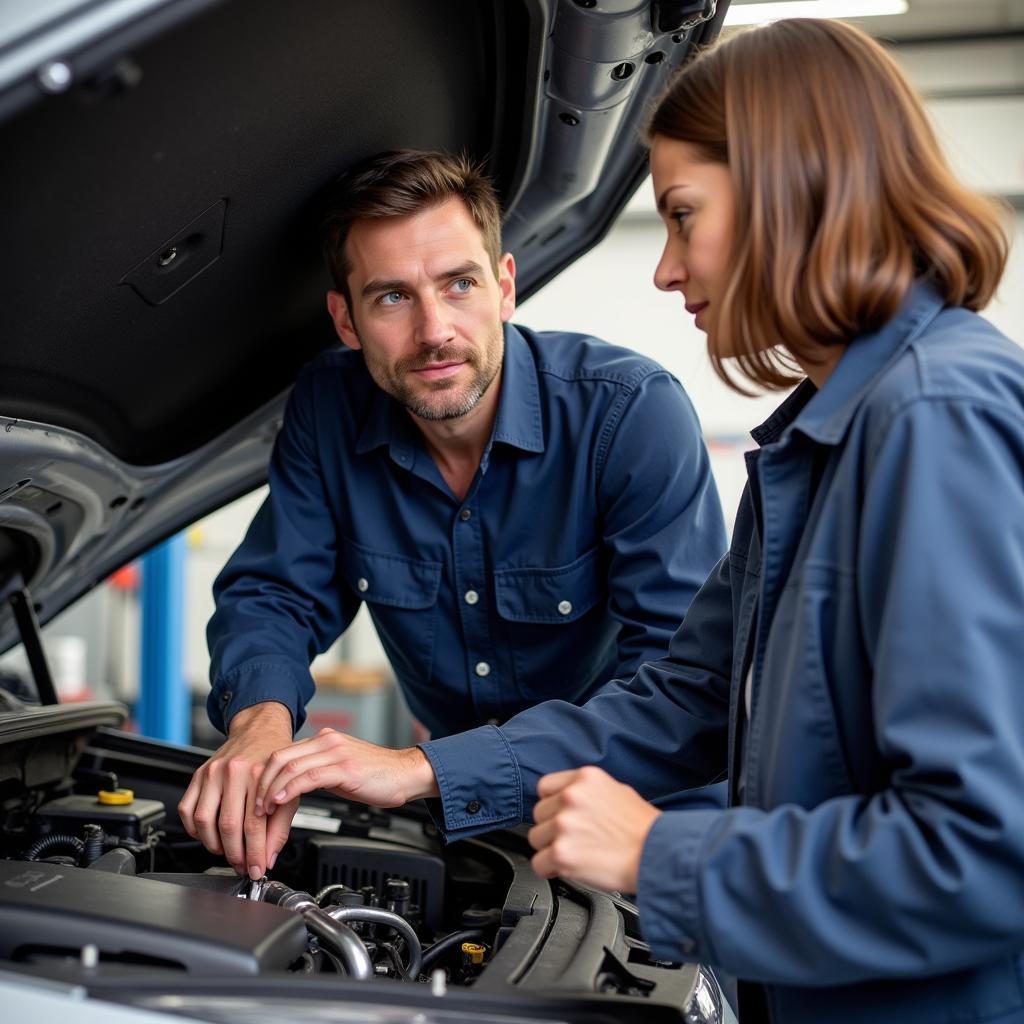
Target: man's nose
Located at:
point(434, 326)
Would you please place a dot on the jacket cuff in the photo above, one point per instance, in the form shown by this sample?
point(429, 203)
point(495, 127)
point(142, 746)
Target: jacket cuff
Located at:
point(668, 891)
point(258, 682)
point(479, 781)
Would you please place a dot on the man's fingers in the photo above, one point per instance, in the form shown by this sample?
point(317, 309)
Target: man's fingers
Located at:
point(315, 773)
point(205, 816)
point(255, 835)
point(280, 761)
point(231, 821)
point(187, 804)
point(278, 825)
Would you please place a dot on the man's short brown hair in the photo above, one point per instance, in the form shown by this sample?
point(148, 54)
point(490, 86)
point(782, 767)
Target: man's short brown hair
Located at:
point(403, 181)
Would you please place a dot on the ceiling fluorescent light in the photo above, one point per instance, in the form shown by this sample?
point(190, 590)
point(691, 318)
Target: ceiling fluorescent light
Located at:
point(759, 13)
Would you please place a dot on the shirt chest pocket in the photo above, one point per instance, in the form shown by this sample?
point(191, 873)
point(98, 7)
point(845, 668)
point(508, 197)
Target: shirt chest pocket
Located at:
point(401, 594)
point(552, 618)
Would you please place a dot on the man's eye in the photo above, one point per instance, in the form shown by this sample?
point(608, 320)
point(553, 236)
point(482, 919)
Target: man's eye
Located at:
point(462, 285)
point(390, 299)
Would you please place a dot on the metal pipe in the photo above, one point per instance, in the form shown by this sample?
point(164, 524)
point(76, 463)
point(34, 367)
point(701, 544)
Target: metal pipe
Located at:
point(335, 937)
point(377, 915)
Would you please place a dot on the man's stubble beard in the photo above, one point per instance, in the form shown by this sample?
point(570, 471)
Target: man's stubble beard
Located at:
point(394, 381)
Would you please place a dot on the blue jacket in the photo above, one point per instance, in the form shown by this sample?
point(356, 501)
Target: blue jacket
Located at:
point(875, 583)
point(570, 560)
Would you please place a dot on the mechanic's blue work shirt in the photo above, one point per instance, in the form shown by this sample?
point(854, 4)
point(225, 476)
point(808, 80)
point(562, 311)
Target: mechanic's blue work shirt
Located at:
point(590, 525)
point(873, 868)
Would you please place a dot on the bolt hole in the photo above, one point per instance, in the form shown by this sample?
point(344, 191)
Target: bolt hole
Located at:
point(547, 76)
point(586, 4)
point(622, 71)
point(55, 507)
point(655, 58)
point(137, 504)
point(570, 119)
point(167, 257)
point(118, 501)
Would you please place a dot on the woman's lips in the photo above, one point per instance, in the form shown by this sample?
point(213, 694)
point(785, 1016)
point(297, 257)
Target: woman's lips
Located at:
point(696, 308)
point(438, 371)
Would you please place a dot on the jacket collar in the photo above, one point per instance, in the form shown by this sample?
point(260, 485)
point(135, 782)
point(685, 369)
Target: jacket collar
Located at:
point(825, 415)
point(518, 421)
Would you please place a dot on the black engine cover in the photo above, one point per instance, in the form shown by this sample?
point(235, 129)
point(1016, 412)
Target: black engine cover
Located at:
point(50, 909)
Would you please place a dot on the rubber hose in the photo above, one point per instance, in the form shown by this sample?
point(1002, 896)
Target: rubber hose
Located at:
point(54, 840)
point(447, 944)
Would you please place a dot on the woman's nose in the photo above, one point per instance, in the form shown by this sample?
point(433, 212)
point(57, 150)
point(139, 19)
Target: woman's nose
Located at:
point(670, 273)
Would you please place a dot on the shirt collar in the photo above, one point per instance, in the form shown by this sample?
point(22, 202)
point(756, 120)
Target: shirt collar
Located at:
point(824, 415)
point(518, 421)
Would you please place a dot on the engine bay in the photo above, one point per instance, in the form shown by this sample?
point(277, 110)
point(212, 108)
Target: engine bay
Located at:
point(100, 884)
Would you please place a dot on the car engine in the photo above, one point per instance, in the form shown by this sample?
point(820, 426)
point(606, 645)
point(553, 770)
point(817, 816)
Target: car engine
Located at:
point(99, 882)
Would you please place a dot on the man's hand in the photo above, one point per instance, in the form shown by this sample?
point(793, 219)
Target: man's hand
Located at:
point(218, 807)
point(348, 767)
point(590, 828)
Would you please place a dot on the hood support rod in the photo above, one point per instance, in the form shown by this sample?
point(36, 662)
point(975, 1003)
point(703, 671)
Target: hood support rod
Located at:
point(20, 601)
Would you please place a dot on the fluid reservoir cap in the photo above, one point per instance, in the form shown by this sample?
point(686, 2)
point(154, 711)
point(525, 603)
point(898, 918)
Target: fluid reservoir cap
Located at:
point(112, 797)
point(474, 952)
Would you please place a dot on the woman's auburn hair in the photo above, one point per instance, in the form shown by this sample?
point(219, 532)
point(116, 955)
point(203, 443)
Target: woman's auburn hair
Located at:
point(844, 198)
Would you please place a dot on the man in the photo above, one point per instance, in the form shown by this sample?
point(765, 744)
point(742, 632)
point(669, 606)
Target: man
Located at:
point(494, 495)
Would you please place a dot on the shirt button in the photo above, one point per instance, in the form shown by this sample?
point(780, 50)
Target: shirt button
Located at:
point(473, 806)
point(472, 597)
point(363, 584)
point(465, 515)
point(482, 668)
point(564, 607)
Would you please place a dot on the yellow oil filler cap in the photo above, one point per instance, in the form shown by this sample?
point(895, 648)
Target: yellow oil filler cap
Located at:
point(473, 952)
point(115, 797)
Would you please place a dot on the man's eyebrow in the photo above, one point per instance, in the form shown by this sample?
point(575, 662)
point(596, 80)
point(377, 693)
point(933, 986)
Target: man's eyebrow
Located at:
point(376, 287)
point(380, 286)
point(469, 267)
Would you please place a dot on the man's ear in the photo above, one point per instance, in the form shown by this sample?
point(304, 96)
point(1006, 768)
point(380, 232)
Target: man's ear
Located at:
point(337, 306)
point(507, 286)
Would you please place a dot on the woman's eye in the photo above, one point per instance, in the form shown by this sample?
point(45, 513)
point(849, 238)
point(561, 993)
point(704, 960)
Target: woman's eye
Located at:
point(680, 217)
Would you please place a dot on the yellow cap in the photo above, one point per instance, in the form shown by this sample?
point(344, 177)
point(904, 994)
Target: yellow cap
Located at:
point(115, 796)
point(474, 951)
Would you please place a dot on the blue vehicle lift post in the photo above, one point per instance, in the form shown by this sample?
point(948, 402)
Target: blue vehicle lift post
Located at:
point(164, 708)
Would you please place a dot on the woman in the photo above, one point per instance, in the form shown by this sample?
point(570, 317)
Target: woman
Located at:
point(868, 620)
point(854, 663)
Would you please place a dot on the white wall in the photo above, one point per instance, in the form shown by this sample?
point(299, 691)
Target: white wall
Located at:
point(609, 292)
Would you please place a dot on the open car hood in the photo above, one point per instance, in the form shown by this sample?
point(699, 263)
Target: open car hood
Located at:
point(163, 162)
